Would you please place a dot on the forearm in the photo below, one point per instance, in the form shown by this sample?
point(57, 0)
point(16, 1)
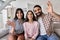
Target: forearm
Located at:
point(12, 30)
point(26, 37)
point(34, 37)
point(55, 15)
point(36, 34)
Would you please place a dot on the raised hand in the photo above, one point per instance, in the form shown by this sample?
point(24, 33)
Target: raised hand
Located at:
point(11, 23)
point(49, 7)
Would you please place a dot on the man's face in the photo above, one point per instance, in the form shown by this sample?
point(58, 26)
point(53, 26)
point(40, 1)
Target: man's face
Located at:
point(37, 11)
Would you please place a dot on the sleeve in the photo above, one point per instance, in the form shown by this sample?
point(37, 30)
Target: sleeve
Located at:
point(54, 19)
point(36, 31)
point(25, 31)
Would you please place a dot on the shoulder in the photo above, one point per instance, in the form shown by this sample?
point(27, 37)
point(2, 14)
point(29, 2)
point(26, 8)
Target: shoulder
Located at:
point(48, 14)
point(36, 22)
point(25, 23)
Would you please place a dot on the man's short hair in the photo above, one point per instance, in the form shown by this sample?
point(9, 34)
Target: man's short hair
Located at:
point(37, 6)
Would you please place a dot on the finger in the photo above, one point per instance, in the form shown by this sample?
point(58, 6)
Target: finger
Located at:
point(9, 22)
point(12, 24)
point(49, 3)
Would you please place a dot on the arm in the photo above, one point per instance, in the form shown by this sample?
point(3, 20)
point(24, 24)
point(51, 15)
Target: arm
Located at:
point(50, 11)
point(25, 31)
point(12, 30)
point(12, 24)
point(55, 17)
point(36, 31)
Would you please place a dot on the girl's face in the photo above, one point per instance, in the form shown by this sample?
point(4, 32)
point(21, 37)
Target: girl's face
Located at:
point(19, 14)
point(30, 15)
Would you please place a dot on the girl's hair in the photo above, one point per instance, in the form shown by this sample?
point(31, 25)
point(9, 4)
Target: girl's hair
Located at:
point(34, 19)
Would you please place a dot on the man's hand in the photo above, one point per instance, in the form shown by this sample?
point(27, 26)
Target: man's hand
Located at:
point(49, 7)
point(49, 31)
point(50, 10)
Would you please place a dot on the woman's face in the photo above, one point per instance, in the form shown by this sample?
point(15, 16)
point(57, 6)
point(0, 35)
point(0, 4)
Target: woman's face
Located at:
point(30, 15)
point(19, 15)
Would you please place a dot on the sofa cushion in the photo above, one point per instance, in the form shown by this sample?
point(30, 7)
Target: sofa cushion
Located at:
point(56, 26)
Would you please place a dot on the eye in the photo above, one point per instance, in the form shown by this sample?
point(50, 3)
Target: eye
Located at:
point(34, 10)
point(38, 9)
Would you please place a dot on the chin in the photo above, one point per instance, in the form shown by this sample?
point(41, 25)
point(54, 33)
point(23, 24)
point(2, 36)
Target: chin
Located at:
point(19, 18)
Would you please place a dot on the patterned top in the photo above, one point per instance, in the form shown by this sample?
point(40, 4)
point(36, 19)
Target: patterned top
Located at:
point(31, 29)
point(18, 28)
point(48, 19)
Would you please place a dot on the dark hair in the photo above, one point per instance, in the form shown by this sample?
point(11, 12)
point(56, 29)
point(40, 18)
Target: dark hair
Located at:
point(37, 6)
point(34, 19)
point(18, 9)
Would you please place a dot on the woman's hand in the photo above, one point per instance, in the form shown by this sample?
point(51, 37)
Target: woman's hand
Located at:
point(11, 23)
point(8, 22)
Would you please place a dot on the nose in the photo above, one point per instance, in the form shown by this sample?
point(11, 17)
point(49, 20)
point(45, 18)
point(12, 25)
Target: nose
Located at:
point(37, 11)
point(19, 14)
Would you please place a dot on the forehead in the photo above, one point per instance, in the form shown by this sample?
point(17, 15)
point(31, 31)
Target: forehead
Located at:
point(18, 11)
point(36, 8)
point(29, 12)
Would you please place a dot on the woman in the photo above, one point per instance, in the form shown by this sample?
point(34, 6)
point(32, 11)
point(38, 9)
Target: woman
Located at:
point(30, 26)
point(17, 31)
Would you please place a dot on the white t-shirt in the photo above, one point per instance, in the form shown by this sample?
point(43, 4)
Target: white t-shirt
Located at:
point(42, 28)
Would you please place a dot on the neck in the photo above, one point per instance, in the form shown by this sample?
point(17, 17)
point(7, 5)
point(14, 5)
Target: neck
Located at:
point(41, 16)
point(20, 20)
point(31, 21)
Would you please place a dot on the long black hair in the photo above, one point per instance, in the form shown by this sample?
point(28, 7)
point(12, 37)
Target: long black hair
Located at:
point(18, 9)
point(34, 19)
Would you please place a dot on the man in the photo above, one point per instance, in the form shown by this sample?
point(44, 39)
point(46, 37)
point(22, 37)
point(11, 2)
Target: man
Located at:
point(45, 21)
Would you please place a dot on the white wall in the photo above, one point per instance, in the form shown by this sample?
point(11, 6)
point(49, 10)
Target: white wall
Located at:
point(25, 4)
point(4, 18)
point(28, 4)
point(1, 21)
point(19, 4)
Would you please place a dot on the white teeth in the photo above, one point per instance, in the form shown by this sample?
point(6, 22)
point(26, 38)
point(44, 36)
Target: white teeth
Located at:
point(38, 14)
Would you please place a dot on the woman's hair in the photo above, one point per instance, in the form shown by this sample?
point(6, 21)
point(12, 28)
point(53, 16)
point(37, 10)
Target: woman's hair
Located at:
point(18, 9)
point(34, 19)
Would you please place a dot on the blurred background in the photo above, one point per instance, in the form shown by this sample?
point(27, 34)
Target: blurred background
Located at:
point(8, 7)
